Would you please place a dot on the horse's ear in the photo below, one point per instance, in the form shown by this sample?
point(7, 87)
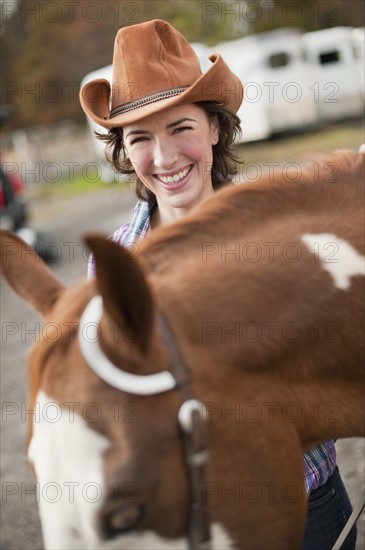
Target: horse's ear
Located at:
point(123, 286)
point(27, 274)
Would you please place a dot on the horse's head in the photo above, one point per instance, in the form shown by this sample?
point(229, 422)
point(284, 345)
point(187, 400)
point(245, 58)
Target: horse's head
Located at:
point(117, 443)
point(108, 459)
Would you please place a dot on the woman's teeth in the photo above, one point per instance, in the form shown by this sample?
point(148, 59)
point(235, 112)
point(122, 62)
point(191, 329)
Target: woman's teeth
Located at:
point(176, 177)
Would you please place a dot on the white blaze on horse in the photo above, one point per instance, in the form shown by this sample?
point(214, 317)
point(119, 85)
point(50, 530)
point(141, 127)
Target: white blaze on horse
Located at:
point(253, 305)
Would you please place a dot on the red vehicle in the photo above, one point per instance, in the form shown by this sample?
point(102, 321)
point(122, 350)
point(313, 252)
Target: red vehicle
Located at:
point(13, 210)
point(14, 216)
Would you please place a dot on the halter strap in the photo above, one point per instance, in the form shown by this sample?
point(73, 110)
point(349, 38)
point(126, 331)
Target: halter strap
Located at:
point(148, 384)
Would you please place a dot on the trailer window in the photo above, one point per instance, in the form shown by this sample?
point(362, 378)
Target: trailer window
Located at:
point(329, 57)
point(277, 60)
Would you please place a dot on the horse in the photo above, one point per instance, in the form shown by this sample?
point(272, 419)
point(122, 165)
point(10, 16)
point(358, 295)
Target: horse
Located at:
point(174, 394)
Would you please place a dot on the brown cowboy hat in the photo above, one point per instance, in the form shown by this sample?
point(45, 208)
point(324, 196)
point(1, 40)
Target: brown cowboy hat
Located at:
point(154, 68)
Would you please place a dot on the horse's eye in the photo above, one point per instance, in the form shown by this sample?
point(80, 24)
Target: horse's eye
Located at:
point(122, 519)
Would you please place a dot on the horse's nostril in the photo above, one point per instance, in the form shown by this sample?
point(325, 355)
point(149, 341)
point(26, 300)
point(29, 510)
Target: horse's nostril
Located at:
point(121, 520)
point(75, 533)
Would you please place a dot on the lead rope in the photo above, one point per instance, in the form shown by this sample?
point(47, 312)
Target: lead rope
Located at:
point(350, 523)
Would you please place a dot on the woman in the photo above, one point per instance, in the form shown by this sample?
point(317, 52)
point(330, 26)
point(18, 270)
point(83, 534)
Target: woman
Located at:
point(173, 128)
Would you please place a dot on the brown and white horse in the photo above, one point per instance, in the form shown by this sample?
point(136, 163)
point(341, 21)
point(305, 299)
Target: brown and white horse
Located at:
point(262, 290)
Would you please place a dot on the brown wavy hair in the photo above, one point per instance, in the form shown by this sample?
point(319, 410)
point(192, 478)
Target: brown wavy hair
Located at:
point(224, 159)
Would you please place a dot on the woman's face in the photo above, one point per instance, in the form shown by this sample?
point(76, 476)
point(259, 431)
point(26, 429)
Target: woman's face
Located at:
point(171, 152)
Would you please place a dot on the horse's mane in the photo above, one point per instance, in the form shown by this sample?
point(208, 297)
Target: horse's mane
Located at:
point(328, 184)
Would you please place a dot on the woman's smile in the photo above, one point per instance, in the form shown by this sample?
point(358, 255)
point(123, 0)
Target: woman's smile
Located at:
point(175, 180)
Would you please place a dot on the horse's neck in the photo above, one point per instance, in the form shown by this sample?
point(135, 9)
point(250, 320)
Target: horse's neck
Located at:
point(277, 341)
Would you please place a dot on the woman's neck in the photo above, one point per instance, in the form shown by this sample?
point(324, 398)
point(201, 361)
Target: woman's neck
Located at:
point(165, 217)
point(166, 214)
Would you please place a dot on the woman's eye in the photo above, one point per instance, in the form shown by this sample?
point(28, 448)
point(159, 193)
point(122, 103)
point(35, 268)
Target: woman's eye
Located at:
point(138, 140)
point(181, 129)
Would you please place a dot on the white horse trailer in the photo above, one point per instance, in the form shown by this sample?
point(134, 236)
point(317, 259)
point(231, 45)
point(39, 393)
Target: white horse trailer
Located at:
point(107, 173)
point(243, 57)
point(291, 80)
point(358, 36)
point(337, 59)
point(276, 79)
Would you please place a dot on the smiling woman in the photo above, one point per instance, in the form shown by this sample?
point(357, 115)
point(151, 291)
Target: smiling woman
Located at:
point(172, 128)
point(220, 170)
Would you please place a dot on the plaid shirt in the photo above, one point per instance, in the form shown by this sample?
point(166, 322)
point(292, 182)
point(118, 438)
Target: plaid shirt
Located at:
point(320, 462)
point(136, 228)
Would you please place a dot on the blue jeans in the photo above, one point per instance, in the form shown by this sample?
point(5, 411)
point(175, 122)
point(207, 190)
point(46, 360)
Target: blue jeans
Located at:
point(329, 508)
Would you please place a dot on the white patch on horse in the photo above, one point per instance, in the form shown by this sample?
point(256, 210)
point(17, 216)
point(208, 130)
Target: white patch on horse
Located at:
point(67, 458)
point(148, 540)
point(221, 538)
point(339, 258)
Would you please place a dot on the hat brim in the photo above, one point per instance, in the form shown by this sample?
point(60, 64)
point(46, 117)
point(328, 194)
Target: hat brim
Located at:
point(218, 85)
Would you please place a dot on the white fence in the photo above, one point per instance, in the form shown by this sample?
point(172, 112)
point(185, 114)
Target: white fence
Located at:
point(41, 155)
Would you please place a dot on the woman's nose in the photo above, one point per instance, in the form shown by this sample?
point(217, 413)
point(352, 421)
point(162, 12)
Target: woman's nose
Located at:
point(165, 154)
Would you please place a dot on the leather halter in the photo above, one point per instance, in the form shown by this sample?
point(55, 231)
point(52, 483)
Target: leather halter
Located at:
point(191, 416)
